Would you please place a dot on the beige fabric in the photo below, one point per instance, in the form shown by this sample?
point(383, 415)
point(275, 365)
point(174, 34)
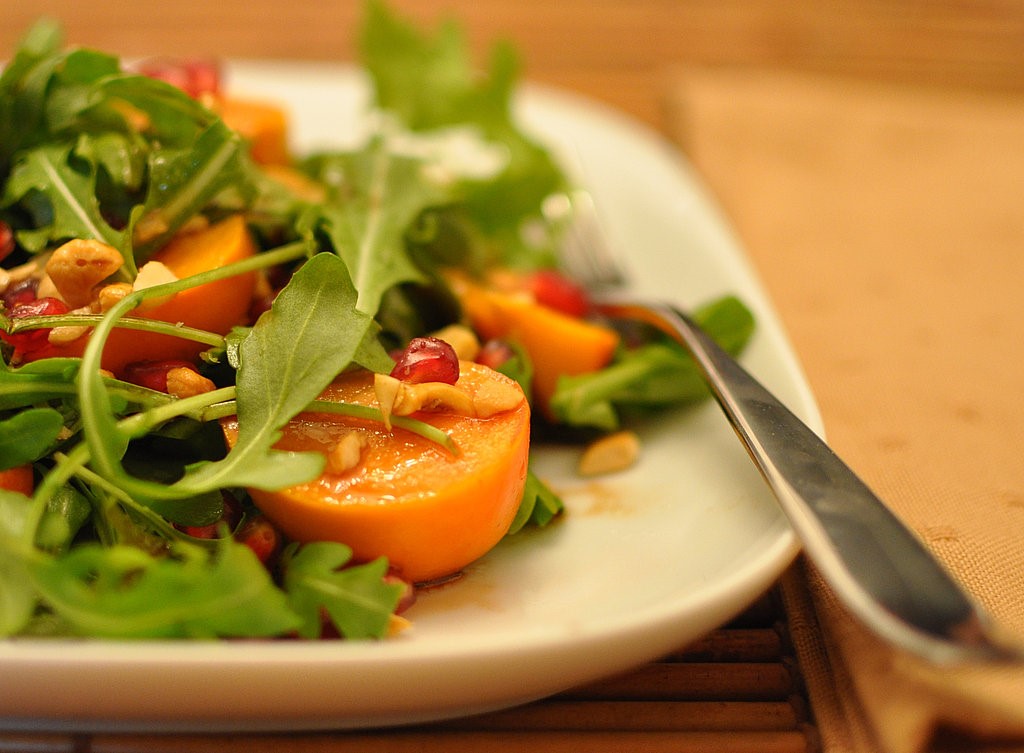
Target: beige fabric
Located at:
point(888, 226)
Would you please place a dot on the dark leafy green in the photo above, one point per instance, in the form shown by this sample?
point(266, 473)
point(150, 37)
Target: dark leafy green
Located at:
point(28, 435)
point(122, 591)
point(357, 599)
point(656, 375)
point(429, 82)
point(91, 150)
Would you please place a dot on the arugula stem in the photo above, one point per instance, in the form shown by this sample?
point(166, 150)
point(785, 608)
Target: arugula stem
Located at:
point(422, 428)
point(191, 407)
point(38, 387)
point(60, 474)
point(158, 523)
point(136, 323)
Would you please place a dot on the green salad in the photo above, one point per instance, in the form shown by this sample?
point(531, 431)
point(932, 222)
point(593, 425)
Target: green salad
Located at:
point(163, 278)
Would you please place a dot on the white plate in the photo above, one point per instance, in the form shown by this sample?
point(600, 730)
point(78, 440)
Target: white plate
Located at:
point(642, 563)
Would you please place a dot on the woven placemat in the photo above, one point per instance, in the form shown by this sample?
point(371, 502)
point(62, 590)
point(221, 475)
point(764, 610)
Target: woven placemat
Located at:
point(738, 690)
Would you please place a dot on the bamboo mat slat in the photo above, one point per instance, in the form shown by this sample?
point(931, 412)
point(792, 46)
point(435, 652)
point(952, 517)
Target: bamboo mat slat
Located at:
point(738, 690)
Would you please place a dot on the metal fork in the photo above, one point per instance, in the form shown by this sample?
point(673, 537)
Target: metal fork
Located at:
point(875, 565)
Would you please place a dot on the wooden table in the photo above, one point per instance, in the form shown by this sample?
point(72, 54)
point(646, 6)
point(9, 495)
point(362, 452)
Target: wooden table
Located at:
point(618, 52)
point(740, 689)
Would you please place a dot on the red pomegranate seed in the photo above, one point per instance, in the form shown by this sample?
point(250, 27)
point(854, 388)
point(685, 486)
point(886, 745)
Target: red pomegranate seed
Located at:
point(494, 354)
point(30, 340)
point(558, 292)
point(260, 535)
point(229, 516)
point(23, 291)
point(427, 359)
point(6, 240)
point(194, 77)
point(153, 374)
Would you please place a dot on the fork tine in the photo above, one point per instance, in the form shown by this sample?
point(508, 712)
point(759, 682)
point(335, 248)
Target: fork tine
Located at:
point(586, 254)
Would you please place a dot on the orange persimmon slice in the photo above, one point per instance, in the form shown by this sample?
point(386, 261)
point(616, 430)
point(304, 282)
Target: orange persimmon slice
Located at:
point(264, 126)
point(215, 307)
point(558, 344)
point(428, 511)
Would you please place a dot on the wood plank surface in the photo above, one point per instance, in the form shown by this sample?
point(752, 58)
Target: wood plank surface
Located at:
point(618, 52)
point(738, 690)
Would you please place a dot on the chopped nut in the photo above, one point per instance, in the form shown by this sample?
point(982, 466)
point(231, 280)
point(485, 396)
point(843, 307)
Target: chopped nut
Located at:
point(194, 224)
point(78, 266)
point(152, 225)
point(66, 334)
point(615, 452)
point(110, 295)
point(46, 288)
point(492, 397)
point(397, 623)
point(462, 339)
point(386, 388)
point(184, 382)
point(32, 268)
point(153, 273)
point(345, 455)
point(398, 398)
point(432, 396)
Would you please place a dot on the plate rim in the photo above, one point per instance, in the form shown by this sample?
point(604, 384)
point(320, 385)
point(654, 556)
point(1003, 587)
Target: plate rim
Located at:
point(758, 574)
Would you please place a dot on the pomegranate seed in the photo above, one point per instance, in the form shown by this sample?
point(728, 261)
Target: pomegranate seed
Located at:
point(26, 342)
point(229, 516)
point(23, 291)
point(427, 359)
point(260, 535)
point(558, 292)
point(194, 77)
point(6, 240)
point(153, 374)
point(495, 353)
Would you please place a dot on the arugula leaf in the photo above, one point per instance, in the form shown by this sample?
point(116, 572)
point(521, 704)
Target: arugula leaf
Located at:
point(67, 179)
point(71, 148)
point(182, 182)
point(124, 592)
point(72, 90)
point(28, 435)
point(294, 351)
point(23, 87)
point(538, 506)
point(65, 513)
point(429, 82)
point(655, 375)
point(17, 594)
point(358, 599)
point(375, 197)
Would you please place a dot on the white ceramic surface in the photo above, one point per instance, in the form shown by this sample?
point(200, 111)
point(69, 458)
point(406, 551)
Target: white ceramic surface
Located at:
point(643, 562)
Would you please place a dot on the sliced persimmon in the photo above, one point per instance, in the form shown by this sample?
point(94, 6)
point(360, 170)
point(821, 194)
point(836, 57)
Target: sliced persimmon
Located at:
point(430, 512)
point(216, 306)
point(557, 343)
point(264, 126)
point(17, 479)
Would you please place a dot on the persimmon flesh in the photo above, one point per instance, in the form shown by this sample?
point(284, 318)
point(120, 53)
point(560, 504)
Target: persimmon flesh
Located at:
point(558, 344)
point(264, 126)
point(431, 513)
point(215, 307)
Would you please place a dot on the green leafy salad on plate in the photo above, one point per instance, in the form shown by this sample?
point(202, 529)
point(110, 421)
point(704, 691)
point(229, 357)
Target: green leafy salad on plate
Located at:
point(251, 393)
